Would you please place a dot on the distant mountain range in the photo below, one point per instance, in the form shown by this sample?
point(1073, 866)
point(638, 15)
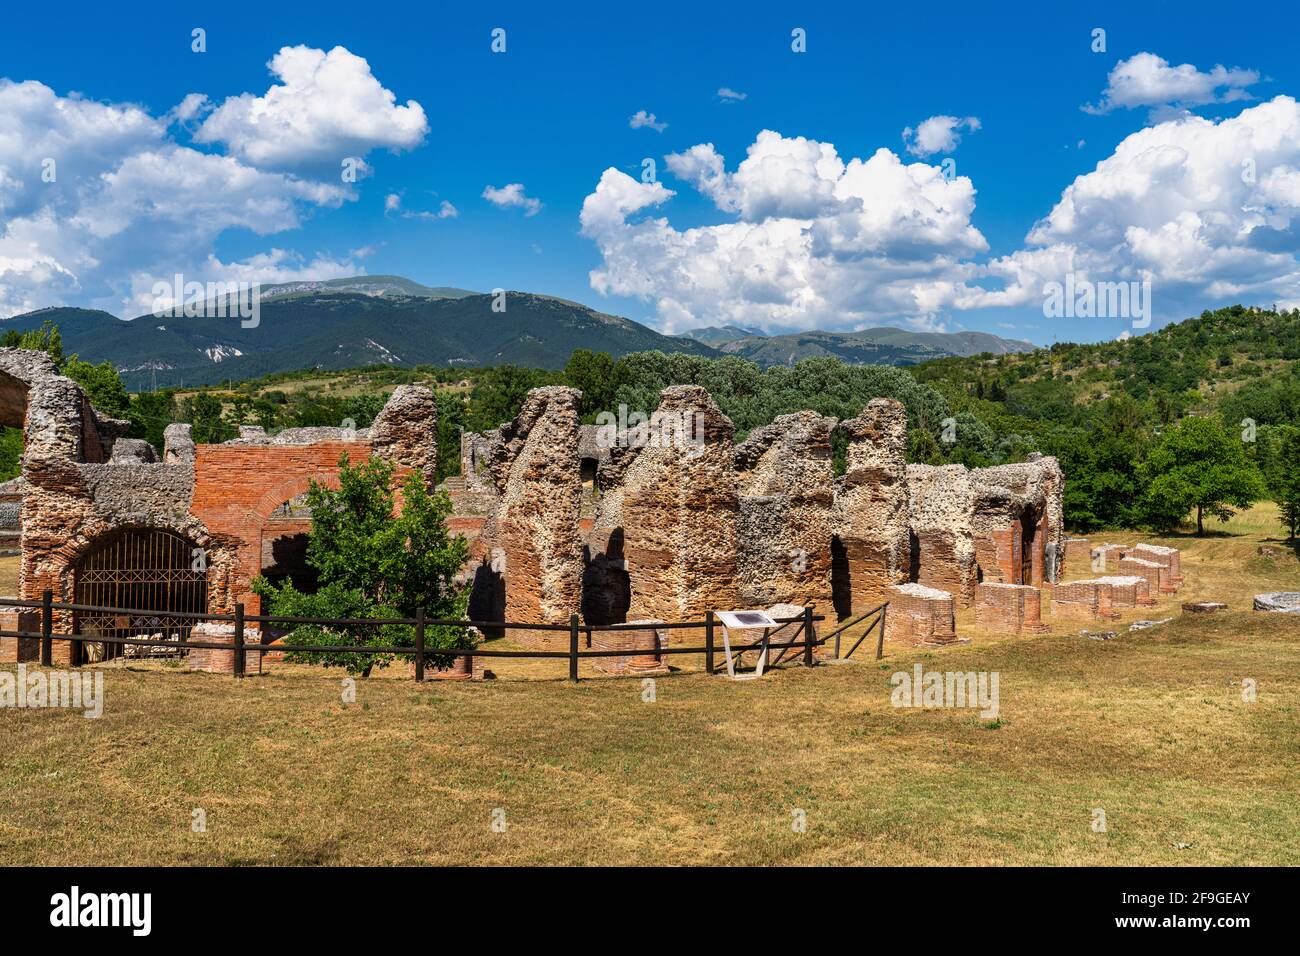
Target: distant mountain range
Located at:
point(882, 346)
point(370, 320)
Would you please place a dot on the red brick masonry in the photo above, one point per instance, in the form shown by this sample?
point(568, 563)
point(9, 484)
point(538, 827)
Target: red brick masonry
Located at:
point(223, 662)
point(1090, 600)
point(644, 642)
point(920, 615)
point(1013, 608)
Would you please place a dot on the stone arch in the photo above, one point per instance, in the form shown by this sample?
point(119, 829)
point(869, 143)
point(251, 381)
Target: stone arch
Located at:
point(139, 570)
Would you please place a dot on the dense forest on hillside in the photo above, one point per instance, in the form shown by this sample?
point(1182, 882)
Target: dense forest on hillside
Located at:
point(1198, 417)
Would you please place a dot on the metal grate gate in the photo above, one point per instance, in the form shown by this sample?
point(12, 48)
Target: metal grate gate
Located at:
point(153, 571)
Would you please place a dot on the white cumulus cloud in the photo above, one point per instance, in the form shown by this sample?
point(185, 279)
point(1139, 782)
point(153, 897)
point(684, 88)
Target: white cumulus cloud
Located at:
point(641, 118)
point(511, 196)
point(1147, 80)
point(1207, 211)
point(938, 134)
point(817, 242)
point(326, 107)
point(97, 201)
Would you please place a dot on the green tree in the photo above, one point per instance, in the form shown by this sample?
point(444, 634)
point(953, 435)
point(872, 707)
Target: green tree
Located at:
point(452, 415)
point(103, 385)
point(374, 563)
point(1281, 470)
point(44, 339)
point(150, 414)
point(1197, 464)
point(203, 411)
point(499, 393)
point(592, 373)
point(11, 453)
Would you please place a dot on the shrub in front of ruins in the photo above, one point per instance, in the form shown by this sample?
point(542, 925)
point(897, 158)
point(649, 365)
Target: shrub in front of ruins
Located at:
point(376, 561)
point(335, 601)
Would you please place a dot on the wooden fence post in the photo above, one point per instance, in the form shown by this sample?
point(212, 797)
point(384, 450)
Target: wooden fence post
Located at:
point(573, 648)
point(880, 644)
point(239, 640)
point(708, 642)
point(807, 637)
point(419, 643)
point(47, 629)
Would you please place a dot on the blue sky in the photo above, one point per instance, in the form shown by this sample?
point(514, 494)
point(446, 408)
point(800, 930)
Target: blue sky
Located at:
point(552, 114)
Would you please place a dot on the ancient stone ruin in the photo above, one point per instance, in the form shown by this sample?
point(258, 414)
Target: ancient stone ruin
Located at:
point(105, 522)
point(683, 522)
point(658, 522)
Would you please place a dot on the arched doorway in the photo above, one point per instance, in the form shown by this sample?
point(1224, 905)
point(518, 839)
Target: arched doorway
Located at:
point(149, 571)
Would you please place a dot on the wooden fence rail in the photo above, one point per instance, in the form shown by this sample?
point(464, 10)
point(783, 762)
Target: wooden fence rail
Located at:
point(806, 642)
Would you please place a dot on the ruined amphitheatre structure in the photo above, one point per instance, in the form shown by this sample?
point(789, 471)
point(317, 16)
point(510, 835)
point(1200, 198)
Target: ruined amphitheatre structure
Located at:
point(659, 523)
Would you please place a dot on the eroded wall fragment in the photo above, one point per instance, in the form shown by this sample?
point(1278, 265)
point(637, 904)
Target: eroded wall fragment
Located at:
point(871, 507)
point(534, 530)
point(784, 483)
point(674, 507)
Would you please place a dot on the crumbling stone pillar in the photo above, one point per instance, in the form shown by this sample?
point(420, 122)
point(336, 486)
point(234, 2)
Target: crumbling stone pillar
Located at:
point(677, 508)
point(534, 466)
point(178, 444)
point(871, 504)
point(941, 502)
point(998, 529)
point(786, 496)
point(1037, 489)
point(405, 431)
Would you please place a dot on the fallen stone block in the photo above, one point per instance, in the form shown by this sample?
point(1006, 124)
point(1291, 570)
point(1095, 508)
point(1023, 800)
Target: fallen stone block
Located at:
point(1287, 602)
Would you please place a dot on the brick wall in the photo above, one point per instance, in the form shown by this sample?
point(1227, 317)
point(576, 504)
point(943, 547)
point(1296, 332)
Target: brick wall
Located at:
point(1157, 575)
point(1169, 557)
point(1087, 600)
point(236, 487)
point(15, 649)
point(1129, 591)
point(1010, 608)
point(998, 555)
point(216, 661)
point(920, 615)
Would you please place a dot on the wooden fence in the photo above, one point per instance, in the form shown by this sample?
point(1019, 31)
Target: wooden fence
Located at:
point(805, 643)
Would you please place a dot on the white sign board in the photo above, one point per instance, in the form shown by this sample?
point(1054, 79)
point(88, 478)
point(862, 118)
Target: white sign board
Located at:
point(745, 619)
point(742, 621)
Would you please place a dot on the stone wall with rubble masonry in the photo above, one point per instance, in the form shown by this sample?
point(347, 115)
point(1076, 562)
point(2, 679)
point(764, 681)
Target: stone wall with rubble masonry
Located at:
point(680, 526)
point(82, 480)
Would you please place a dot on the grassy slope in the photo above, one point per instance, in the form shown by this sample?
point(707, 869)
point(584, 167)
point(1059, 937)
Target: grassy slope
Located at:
point(1149, 726)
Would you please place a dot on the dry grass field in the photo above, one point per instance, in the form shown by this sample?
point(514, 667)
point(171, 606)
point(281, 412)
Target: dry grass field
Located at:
point(1150, 727)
